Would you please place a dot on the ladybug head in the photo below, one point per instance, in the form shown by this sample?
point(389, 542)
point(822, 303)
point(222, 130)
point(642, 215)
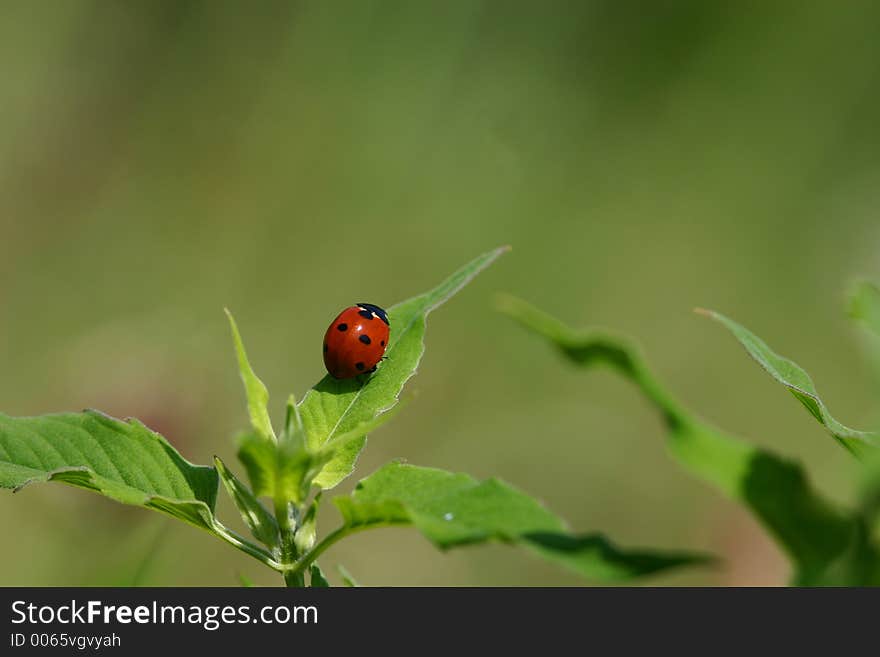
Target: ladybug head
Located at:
point(370, 310)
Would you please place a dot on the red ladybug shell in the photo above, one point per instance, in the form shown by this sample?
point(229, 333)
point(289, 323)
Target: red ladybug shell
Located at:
point(355, 341)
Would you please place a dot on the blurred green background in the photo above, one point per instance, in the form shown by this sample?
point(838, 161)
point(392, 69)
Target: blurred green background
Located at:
point(160, 160)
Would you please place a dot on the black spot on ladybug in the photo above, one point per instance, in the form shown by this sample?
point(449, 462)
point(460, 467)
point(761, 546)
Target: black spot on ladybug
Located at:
point(325, 347)
point(342, 327)
point(360, 366)
point(365, 339)
point(382, 343)
point(366, 314)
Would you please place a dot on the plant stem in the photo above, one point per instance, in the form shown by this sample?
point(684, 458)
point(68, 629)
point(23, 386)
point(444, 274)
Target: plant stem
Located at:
point(337, 535)
point(282, 515)
point(246, 546)
point(288, 546)
point(294, 579)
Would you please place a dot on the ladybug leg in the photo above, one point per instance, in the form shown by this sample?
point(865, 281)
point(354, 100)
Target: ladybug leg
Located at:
point(373, 369)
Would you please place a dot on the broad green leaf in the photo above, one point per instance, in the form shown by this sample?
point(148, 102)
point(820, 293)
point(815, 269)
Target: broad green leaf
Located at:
point(255, 391)
point(455, 509)
point(864, 305)
point(346, 576)
point(317, 577)
point(124, 461)
point(595, 557)
point(812, 531)
point(262, 524)
point(335, 407)
point(340, 452)
point(799, 383)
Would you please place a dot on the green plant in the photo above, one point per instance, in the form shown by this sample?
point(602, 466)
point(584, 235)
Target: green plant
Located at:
point(826, 544)
point(315, 449)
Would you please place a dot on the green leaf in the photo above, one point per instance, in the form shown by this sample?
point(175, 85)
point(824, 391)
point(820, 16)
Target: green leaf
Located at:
point(255, 390)
point(245, 581)
point(340, 452)
point(124, 461)
point(864, 305)
point(812, 531)
point(305, 535)
point(335, 407)
point(317, 577)
point(279, 471)
point(262, 524)
point(455, 509)
point(287, 470)
point(282, 470)
point(346, 576)
point(799, 384)
point(294, 433)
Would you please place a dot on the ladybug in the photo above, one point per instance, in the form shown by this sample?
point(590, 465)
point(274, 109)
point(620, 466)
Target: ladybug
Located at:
point(355, 341)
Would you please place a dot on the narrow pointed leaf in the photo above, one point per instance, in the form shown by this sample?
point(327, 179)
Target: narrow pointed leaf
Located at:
point(799, 384)
point(334, 407)
point(293, 435)
point(455, 509)
point(124, 461)
point(317, 579)
point(811, 530)
point(255, 391)
point(262, 524)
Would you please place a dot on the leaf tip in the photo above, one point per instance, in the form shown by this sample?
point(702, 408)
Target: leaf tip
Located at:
point(498, 252)
point(233, 325)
